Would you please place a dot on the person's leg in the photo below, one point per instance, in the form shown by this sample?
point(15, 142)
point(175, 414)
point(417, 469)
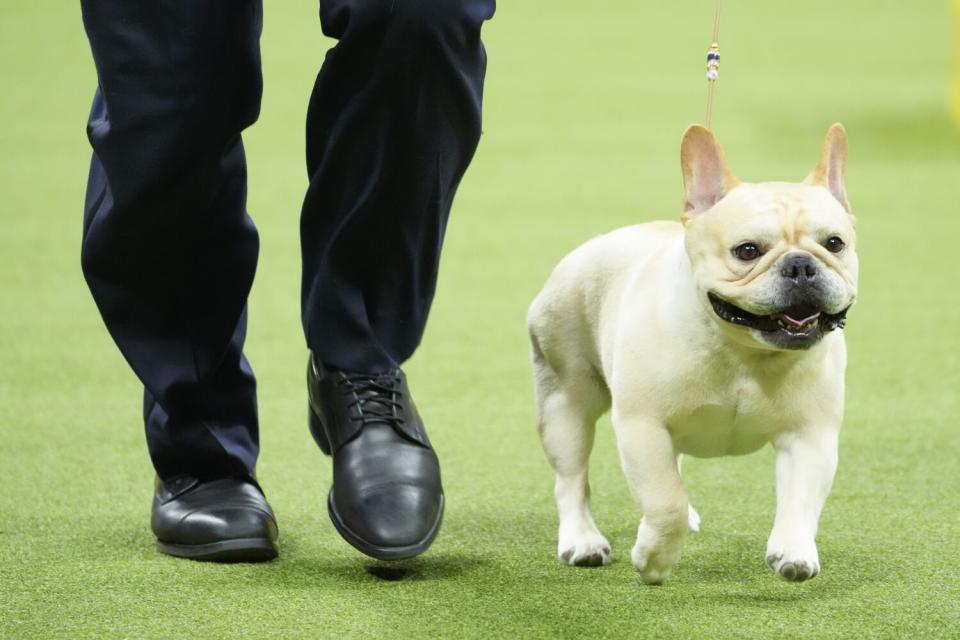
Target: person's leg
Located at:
point(169, 251)
point(393, 123)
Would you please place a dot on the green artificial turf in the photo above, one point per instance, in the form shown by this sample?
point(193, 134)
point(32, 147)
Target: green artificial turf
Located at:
point(585, 104)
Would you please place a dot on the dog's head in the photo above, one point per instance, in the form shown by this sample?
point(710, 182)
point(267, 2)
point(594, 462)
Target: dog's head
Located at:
point(774, 262)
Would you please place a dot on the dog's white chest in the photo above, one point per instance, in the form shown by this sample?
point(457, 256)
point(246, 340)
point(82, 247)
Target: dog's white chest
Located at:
point(737, 421)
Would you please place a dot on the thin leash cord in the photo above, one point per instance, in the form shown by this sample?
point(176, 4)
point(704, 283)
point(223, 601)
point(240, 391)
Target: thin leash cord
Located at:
point(713, 64)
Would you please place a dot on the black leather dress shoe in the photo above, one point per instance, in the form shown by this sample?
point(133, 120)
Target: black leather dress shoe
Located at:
point(223, 520)
point(386, 500)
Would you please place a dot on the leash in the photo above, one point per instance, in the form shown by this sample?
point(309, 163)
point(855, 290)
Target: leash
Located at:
point(713, 64)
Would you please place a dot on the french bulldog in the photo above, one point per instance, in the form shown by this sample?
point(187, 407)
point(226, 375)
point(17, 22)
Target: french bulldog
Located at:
point(708, 336)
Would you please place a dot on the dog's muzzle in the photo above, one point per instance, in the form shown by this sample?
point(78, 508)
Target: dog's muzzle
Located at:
point(798, 326)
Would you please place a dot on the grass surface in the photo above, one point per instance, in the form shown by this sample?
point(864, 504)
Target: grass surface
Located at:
point(584, 109)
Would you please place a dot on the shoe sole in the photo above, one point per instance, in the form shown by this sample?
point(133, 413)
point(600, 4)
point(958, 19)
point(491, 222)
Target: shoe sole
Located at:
point(379, 552)
point(238, 550)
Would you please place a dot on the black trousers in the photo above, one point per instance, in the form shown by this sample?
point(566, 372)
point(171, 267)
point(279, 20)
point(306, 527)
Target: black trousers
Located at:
point(169, 251)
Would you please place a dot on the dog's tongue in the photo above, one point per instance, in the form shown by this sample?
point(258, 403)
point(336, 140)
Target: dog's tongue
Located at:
point(798, 318)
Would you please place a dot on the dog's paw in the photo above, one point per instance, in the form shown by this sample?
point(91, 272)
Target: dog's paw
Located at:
point(693, 520)
point(795, 562)
point(655, 555)
point(587, 550)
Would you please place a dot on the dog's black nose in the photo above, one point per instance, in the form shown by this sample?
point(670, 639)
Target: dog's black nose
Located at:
point(799, 267)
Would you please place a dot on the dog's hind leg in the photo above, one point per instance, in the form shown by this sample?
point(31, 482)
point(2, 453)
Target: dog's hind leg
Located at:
point(567, 411)
point(693, 518)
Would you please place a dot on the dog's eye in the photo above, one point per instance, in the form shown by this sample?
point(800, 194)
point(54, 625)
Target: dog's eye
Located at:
point(834, 244)
point(747, 251)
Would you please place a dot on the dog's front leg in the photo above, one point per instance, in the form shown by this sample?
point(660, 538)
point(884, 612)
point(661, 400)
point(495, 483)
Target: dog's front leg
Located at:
point(649, 464)
point(806, 463)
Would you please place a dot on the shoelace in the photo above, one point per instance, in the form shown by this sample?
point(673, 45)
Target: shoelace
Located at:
point(377, 398)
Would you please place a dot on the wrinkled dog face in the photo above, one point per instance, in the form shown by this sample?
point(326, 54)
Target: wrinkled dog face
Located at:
point(775, 262)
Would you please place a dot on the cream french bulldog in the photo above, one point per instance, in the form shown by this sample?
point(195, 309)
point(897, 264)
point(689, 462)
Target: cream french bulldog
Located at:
point(711, 336)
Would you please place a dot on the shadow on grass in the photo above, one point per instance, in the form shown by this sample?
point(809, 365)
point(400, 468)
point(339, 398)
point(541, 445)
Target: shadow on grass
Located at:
point(720, 568)
point(733, 563)
point(347, 574)
point(444, 567)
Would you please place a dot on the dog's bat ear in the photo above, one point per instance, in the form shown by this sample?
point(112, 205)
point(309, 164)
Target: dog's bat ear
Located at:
point(706, 176)
point(829, 172)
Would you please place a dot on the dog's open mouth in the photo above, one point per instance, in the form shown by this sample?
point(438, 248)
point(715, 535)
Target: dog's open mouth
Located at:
point(795, 327)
